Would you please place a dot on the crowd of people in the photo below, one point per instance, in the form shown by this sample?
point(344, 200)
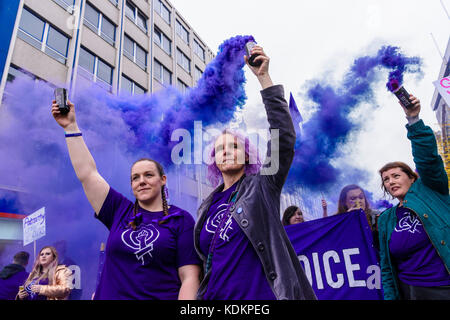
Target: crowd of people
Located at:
point(238, 249)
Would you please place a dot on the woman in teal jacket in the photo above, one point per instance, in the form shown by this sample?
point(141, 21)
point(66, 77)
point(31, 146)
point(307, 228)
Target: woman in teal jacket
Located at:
point(414, 235)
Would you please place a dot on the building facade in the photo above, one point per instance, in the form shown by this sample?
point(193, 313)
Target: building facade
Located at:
point(137, 46)
point(442, 111)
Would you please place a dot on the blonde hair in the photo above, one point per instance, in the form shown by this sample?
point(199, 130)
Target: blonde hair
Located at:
point(37, 272)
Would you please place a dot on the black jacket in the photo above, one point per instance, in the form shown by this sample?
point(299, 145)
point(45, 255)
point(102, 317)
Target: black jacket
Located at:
point(257, 209)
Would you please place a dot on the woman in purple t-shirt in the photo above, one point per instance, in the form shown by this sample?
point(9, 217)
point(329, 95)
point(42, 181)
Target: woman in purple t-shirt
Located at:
point(414, 235)
point(150, 252)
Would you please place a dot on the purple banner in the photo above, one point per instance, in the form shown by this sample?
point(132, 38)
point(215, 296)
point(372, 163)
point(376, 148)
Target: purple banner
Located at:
point(338, 256)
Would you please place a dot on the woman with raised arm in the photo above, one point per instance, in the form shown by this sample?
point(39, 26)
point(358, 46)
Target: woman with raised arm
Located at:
point(239, 236)
point(414, 235)
point(150, 253)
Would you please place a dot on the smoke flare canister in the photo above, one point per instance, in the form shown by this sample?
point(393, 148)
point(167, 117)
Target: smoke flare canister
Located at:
point(251, 61)
point(401, 93)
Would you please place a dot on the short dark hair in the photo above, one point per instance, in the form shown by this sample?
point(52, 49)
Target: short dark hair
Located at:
point(21, 258)
point(288, 213)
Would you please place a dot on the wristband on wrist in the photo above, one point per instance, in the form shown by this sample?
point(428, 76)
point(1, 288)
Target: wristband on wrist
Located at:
point(68, 135)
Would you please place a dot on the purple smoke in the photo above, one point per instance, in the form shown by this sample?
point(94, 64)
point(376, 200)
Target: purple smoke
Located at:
point(118, 130)
point(330, 126)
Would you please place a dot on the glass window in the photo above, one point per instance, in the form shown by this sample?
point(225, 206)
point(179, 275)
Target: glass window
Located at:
point(183, 60)
point(57, 41)
point(32, 24)
point(128, 45)
point(129, 10)
point(142, 21)
point(162, 10)
point(198, 73)
point(91, 15)
point(157, 36)
point(182, 32)
point(86, 60)
point(108, 29)
point(104, 72)
point(141, 56)
point(167, 76)
point(158, 70)
point(199, 51)
point(167, 45)
point(138, 89)
point(165, 13)
point(182, 86)
point(127, 85)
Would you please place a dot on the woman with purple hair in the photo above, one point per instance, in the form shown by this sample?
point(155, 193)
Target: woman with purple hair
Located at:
point(239, 236)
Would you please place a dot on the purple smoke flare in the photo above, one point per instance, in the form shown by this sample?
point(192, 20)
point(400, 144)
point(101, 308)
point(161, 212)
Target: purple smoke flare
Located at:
point(330, 126)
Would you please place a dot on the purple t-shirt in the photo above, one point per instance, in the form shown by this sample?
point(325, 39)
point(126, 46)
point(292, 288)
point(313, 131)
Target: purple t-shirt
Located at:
point(33, 295)
point(143, 264)
point(417, 261)
point(236, 271)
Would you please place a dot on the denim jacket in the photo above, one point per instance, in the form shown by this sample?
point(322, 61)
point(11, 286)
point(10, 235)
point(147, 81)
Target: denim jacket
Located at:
point(257, 209)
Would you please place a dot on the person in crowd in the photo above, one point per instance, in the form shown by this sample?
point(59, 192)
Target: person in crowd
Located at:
point(238, 234)
point(13, 275)
point(352, 197)
point(48, 280)
point(414, 234)
point(292, 215)
point(149, 253)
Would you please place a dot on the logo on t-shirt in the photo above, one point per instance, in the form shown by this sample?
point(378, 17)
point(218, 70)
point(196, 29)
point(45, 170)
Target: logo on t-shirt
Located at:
point(409, 223)
point(213, 222)
point(141, 241)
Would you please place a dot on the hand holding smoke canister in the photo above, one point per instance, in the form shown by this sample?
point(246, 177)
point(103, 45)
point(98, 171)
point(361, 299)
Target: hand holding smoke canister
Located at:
point(401, 93)
point(61, 100)
point(251, 60)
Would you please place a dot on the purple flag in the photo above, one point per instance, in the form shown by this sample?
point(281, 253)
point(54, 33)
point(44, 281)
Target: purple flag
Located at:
point(338, 256)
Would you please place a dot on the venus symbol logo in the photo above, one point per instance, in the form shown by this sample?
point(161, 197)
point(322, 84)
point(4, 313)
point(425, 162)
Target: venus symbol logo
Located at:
point(408, 223)
point(141, 241)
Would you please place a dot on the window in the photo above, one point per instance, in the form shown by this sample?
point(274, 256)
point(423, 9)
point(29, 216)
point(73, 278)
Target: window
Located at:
point(182, 32)
point(98, 23)
point(199, 51)
point(162, 10)
point(32, 25)
point(86, 60)
point(66, 4)
point(58, 42)
point(162, 74)
point(104, 72)
point(41, 35)
point(95, 69)
point(131, 87)
point(183, 61)
point(135, 52)
point(142, 21)
point(183, 87)
point(161, 40)
point(129, 10)
point(197, 74)
point(139, 19)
